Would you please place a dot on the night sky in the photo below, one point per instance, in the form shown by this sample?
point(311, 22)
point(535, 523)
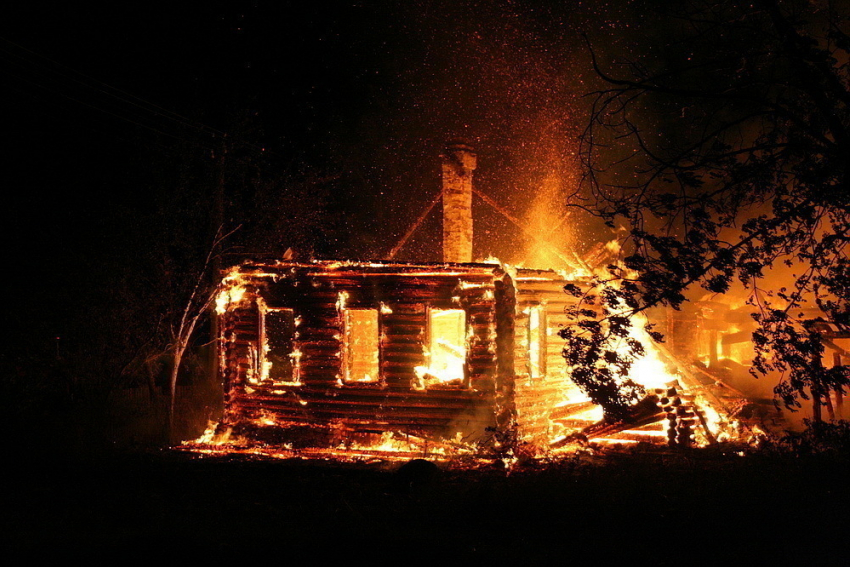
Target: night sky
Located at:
point(110, 114)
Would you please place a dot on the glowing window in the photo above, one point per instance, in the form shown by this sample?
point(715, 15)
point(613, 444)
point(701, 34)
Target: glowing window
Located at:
point(536, 342)
point(446, 345)
point(361, 345)
point(281, 355)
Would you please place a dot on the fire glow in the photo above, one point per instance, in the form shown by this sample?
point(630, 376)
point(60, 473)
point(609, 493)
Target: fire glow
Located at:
point(437, 360)
point(681, 413)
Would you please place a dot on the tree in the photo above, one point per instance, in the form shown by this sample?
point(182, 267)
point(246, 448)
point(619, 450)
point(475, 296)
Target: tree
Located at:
point(261, 213)
point(168, 263)
point(726, 157)
point(195, 308)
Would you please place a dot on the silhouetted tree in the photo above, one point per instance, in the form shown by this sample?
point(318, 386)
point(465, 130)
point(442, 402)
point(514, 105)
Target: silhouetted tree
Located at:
point(172, 268)
point(724, 151)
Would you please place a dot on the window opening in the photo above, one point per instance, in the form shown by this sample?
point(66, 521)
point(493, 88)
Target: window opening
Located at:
point(536, 341)
point(446, 348)
point(281, 355)
point(361, 345)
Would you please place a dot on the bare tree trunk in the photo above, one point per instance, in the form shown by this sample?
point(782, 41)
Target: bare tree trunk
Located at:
point(187, 328)
point(196, 307)
point(172, 392)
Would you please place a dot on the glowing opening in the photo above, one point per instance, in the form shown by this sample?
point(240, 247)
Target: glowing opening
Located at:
point(281, 356)
point(446, 347)
point(536, 342)
point(361, 345)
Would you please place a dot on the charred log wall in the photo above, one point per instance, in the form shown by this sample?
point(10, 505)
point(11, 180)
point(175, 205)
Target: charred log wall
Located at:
point(402, 294)
point(239, 334)
point(538, 394)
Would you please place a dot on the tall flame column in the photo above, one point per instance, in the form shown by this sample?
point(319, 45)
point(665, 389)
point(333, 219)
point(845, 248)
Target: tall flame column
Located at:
point(459, 161)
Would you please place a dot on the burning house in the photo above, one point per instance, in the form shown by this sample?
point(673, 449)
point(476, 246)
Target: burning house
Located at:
point(450, 349)
point(457, 351)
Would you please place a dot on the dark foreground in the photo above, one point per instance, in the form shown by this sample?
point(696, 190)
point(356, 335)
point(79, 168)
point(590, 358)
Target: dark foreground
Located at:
point(654, 508)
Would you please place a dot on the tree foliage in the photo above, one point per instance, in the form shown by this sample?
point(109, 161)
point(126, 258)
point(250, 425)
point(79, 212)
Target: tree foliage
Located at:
point(724, 153)
point(602, 350)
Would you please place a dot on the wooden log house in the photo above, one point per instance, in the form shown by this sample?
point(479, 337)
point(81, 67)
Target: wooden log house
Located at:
point(460, 350)
point(457, 350)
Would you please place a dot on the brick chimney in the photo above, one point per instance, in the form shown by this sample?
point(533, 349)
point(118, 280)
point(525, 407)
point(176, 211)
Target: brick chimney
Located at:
point(459, 161)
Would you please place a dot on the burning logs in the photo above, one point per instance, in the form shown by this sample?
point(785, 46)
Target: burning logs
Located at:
point(681, 414)
point(680, 432)
point(675, 410)
point(646, 412)
point(569, 410)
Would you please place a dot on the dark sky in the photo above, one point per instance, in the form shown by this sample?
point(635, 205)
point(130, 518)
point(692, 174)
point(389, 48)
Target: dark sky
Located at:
point(98, 102)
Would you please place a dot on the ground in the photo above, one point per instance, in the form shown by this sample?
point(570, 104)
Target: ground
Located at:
point(667, 508)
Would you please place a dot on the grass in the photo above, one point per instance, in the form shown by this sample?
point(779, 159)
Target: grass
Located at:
point(697, 507)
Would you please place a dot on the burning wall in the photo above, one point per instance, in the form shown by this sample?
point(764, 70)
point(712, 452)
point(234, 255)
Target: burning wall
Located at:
point(461, 351)
point(373, 346)
point(467, 352)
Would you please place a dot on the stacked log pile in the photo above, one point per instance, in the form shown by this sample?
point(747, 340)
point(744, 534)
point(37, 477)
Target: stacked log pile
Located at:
point(681, 416)
point(667, 407)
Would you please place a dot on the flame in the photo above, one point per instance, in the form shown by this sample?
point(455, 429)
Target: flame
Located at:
point(212, 436)
point(388, 446)
point(649, 371)
point(233, 291)
point(341, 300)
point(546, 224)
point(446, 349)
point(229, 297)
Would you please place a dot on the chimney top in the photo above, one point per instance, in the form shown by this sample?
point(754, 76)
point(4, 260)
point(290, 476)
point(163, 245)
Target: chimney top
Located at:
point(455, 144)
point(459, 161)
